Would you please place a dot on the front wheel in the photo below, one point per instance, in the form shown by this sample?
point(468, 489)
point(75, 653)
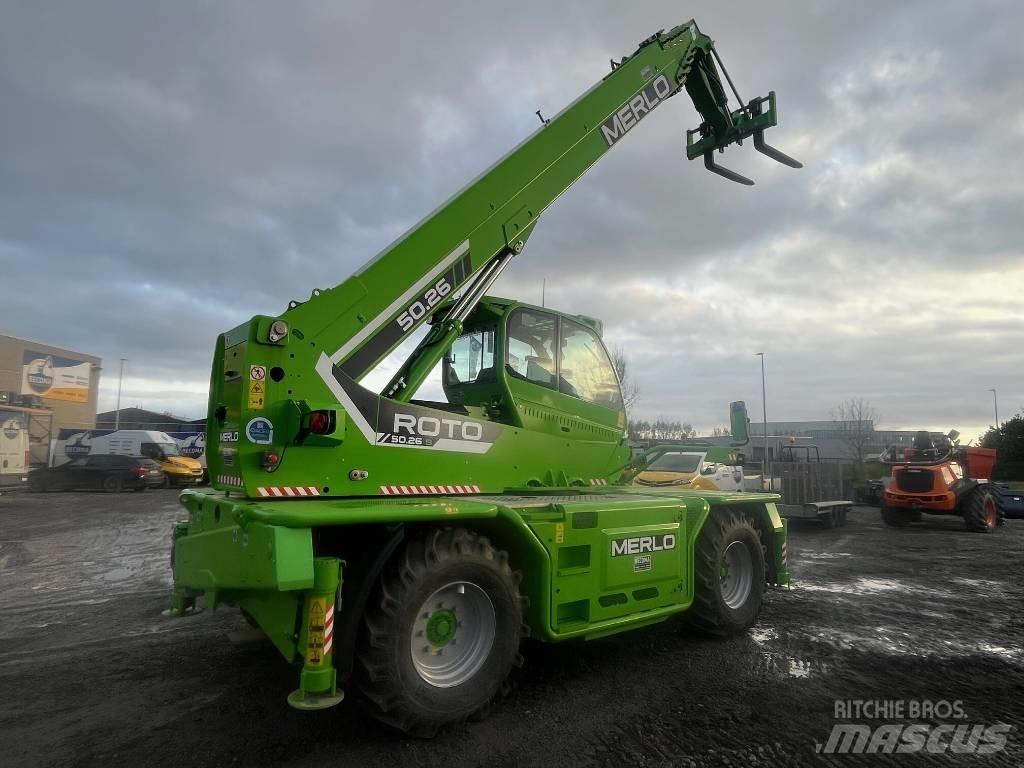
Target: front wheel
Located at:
point(730, 575)
point(442, 633)
point(897, 518)
point(112, 484)
point(981, 510)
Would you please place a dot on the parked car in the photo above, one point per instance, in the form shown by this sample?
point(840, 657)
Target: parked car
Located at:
point(1010, 501)
point(111, 473)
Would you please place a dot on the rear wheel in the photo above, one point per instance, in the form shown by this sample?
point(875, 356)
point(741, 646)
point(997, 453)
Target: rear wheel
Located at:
point(442, 634)
point(981, 510)
point(897, 518)
point(112, 484)
point(730, 575)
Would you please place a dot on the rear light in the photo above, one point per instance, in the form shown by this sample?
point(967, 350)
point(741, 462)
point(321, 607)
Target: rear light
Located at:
point(140, 471)
point(269, 460)
point(320, 422)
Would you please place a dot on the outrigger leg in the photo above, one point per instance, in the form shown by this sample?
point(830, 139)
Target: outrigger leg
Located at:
point(318, 681)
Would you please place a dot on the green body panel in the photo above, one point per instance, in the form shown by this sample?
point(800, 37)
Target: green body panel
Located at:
point(561, 540)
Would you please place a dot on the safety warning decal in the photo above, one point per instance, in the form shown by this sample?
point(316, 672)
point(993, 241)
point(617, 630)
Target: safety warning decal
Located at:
point(315, 640)
point(257, 387)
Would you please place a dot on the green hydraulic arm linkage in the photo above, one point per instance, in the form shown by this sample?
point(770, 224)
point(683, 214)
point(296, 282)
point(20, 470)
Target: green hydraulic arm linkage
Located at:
point(315, 477)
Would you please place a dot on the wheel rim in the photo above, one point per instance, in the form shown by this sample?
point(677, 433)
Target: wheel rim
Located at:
point(737, 578)
point(990, 513)
point(453, 634)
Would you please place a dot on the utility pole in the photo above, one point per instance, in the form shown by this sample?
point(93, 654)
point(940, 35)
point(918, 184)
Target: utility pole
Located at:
point(120, 380)
point(543, 290)
point(764, 415)
point(995, 407)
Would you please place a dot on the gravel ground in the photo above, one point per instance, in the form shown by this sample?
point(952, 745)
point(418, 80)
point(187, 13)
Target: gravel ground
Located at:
point(92, 674)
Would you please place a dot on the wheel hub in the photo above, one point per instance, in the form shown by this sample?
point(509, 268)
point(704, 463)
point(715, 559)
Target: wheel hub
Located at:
point(453, 634)
point(737, 574)
point(441, 627)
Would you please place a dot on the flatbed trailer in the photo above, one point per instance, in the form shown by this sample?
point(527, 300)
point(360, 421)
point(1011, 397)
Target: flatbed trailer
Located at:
point(811, 491)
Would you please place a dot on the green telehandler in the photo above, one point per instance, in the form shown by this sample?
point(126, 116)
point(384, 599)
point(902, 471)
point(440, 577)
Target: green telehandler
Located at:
point(403, 547)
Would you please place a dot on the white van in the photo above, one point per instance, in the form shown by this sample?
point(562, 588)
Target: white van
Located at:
point(14, 458)
point(159, 446)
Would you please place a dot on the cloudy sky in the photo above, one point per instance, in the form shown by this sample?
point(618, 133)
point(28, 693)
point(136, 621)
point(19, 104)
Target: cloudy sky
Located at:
point(169, 170)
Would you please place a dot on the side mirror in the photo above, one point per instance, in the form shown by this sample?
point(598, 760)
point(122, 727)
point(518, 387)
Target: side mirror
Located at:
point(739, 423)
point(953, 435)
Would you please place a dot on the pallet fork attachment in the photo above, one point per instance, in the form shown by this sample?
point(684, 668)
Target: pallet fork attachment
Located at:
point(750, 120)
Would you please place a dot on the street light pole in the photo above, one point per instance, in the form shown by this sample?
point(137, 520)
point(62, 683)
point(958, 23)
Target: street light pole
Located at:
point(764, 415)
point(120, 380)
point(995, 407)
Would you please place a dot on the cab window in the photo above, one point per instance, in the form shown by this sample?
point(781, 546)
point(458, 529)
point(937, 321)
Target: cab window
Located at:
point(472, 358)
point(585, 370)
point(530, 351)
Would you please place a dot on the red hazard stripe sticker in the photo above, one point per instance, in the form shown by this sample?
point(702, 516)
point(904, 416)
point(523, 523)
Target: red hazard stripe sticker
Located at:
point(329, 629)
point(427, 490)
point(289, 491)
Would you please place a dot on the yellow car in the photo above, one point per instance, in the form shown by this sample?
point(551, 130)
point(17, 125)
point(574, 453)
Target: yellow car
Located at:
point(695, 468)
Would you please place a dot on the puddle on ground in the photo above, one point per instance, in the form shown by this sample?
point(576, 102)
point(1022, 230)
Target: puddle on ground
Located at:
point(864, 586)
point(762, 635)
point(784, 665)
point(824, 556)
point(1013, 654)
point(979, 583)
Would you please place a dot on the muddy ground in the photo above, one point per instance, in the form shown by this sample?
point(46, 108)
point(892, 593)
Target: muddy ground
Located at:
point(92, 674)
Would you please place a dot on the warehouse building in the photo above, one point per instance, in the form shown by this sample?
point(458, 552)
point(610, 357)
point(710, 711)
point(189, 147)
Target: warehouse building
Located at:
point(44, 389)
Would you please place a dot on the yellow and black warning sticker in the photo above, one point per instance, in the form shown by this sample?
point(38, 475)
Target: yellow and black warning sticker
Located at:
point(257, 390)
point(315, 638)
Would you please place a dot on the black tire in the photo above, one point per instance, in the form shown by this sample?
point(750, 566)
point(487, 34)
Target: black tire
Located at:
point(981, 510)
point(393, 687)
point(896, 518)
point(715, 610)
point(830, 519)
point(38, 485)
point(112, 484)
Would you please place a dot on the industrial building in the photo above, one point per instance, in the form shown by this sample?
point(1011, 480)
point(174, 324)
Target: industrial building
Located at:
point(44, 389)
point(833, 439)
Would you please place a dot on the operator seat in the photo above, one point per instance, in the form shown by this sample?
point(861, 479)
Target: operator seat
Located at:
point(923, 444)
point(923, 441)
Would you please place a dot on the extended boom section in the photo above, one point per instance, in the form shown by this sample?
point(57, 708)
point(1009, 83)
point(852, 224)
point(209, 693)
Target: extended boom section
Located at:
point(406, 545)
point(287, 410)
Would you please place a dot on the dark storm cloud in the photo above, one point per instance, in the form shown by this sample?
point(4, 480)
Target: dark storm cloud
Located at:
point(168, 171)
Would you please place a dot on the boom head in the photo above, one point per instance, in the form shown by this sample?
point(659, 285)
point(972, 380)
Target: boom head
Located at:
point(722, 126)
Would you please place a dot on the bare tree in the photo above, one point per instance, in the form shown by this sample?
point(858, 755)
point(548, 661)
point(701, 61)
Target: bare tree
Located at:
point(630, 389)
point(855, 426)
